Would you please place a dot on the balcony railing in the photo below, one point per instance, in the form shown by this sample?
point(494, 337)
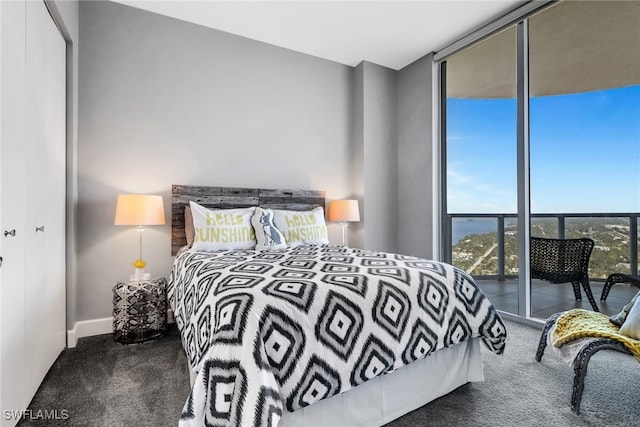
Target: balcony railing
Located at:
point(610, 232)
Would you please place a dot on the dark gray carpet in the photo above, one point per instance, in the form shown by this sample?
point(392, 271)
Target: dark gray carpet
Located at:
point(102, 383)
point(518, 391)
point(105, 384)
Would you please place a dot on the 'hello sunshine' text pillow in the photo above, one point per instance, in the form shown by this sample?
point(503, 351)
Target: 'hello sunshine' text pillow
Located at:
point(222, 229)
point(302, 227)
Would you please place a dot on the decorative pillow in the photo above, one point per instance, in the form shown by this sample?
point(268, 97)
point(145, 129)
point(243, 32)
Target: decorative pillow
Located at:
point(267, 235)
point(618, 319)
point(302, 227)
point(222, 229)
point(631, 326)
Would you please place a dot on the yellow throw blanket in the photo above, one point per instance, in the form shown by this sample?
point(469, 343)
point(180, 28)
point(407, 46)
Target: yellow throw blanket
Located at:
point(580, 323)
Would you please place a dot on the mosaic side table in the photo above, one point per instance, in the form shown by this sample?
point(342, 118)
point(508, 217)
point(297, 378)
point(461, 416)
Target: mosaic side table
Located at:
point(139, 310)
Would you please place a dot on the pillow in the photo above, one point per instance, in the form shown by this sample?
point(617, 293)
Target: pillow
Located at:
point(188, 225)
point(618, 319)
point(222, 229)
point(631, 326)
point(302, 227)
point(267, 235)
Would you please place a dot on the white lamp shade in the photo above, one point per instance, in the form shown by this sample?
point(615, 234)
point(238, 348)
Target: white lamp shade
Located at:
point(139, 209)
point(344, 211)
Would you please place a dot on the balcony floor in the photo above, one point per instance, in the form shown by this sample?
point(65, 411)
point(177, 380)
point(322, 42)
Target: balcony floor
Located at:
point(547, 298)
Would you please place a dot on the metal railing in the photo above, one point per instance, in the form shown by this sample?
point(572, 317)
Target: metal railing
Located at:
point(633, 219)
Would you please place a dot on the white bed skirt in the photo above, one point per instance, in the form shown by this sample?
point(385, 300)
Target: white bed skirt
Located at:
point(385, 398)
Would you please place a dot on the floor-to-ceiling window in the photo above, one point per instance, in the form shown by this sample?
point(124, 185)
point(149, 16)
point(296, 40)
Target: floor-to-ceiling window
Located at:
point(576, 136)
point(481, 181)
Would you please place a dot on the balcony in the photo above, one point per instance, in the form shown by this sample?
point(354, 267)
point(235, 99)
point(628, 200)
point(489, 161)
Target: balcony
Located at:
point(485, 245)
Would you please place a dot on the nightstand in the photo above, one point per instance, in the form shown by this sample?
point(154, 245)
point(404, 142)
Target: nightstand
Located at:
point(139, 310)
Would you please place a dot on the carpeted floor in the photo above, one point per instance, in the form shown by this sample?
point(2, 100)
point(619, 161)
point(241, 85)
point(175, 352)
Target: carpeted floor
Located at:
point(101, 383)
point(518, 391)
point(104, 384)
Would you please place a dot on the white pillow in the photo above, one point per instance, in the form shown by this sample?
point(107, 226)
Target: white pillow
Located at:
point(631, 326)
point(222, 229)
point(302, 227)
point(267, 235)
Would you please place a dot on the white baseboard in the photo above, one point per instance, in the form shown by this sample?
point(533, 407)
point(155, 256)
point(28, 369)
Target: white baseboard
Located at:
point(88, 328)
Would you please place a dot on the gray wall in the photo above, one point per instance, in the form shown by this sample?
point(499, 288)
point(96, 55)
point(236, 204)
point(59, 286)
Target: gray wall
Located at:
point(357, 165)
point(376, 129)
point(166, 102)
point(416, 199)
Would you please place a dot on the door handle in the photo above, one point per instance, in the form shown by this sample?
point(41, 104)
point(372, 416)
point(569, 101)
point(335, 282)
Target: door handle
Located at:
point(10, 233)
point(41, 228)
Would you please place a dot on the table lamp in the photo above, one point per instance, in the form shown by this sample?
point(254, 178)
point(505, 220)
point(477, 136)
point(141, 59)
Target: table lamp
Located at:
point(344, 212)
point(139, 210)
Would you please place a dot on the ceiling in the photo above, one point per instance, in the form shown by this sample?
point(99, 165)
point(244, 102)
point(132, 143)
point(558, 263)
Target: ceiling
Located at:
point(388, 33)
point(574, 46)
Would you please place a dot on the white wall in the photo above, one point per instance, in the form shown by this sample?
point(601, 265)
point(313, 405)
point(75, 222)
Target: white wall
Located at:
point(166, 102)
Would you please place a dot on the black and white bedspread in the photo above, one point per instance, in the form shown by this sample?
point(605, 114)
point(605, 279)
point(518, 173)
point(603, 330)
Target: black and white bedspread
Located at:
point(270, 331)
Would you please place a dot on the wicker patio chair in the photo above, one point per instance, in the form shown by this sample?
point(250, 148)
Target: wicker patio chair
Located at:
point(581, 361)
point(618, 278)
point(563, 261)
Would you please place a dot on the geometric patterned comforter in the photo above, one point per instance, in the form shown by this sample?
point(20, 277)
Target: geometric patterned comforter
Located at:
point(274, 331)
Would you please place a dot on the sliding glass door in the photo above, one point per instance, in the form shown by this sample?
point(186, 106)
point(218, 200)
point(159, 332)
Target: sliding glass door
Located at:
point(541, 137)
point(481, 165)
point(585, 140)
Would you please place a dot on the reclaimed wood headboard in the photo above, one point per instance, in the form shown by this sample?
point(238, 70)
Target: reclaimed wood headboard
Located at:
point(231, 197)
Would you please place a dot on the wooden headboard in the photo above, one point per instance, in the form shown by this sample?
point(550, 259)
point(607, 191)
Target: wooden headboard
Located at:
point(230, 197)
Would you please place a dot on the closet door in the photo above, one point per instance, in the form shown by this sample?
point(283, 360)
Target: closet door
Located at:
point(32, 194)
point(45, 203)
point(12, 203)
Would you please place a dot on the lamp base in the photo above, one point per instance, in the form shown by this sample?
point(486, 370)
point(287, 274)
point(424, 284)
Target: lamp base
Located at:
point(139, 275)
point(345, 239)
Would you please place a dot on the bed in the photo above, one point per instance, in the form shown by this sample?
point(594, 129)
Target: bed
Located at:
point(317, 335)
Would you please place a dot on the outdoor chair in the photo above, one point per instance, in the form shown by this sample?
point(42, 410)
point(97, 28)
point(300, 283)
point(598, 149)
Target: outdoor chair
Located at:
point(618, 278)
point(581, 360)
point(563, 261)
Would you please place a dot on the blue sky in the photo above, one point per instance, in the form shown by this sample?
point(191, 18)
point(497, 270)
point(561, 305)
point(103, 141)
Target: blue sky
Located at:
point(585, 153)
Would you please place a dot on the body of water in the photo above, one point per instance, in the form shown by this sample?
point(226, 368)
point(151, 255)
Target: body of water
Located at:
point(462, 227)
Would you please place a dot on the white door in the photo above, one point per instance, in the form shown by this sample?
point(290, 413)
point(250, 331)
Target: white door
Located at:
point(45, 180)
point(12, 206)
point(32, 195)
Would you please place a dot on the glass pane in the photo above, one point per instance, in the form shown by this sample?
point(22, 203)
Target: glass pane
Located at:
point(544, 227)
point(475, 242)
point(585, 137)
point(612, 243)
point(511, 248)
point(481, 165)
